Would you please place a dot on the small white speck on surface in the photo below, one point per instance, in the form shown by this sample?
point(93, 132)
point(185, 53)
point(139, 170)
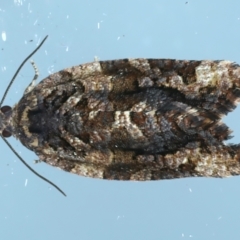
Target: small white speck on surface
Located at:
point(98, 25)
point(26, 181)
point(51, 69)
point(38, 41)
point(4, 36)
point(190, 190)
point(118, 217)
point(29, 8)
point(18, 2)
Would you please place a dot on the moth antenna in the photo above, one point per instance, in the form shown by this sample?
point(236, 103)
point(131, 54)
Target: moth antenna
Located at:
point(19, 68)
point(30, 86)
point(31, 169)
point(33, 82)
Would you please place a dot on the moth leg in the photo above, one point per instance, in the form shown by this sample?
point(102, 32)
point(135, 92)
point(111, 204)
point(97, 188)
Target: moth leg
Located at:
point(33, 82)
point(70, 103)
point(75, 142)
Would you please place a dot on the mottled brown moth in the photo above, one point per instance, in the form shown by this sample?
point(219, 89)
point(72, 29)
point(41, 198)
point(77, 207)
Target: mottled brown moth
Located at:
point(132, 119)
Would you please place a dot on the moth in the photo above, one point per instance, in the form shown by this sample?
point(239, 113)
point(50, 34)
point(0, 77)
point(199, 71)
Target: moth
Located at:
point(131, 119)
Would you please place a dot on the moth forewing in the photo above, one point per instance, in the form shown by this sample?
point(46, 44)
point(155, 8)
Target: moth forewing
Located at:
point(133, 119)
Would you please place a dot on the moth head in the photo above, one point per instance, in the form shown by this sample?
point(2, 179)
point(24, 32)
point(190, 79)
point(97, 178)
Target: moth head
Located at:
point(5, 116)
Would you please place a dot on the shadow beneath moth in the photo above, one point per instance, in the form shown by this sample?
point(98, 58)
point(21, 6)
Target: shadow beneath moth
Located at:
point(132, 119)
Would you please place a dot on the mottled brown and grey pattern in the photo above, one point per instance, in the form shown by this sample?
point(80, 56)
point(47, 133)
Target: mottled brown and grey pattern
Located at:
point(132, 119)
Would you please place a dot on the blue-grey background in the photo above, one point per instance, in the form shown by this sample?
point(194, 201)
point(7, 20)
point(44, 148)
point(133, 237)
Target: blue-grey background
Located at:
point(96, 209)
